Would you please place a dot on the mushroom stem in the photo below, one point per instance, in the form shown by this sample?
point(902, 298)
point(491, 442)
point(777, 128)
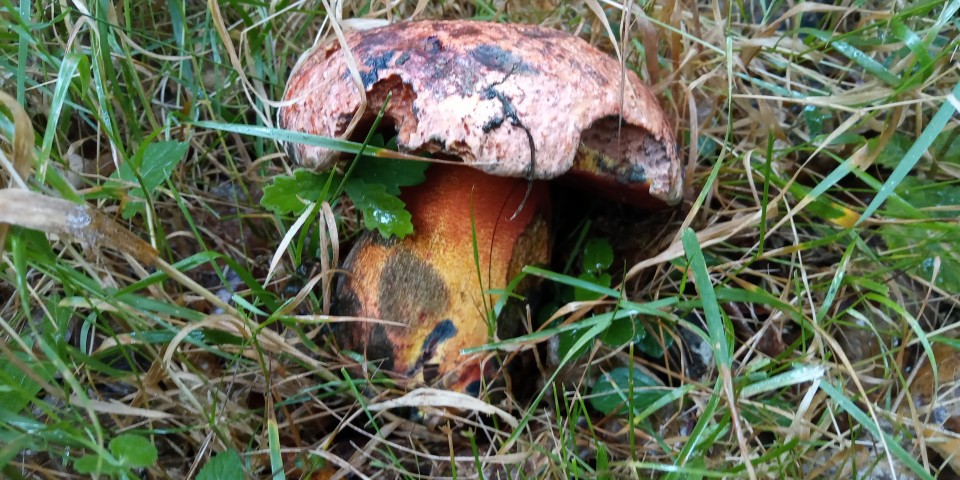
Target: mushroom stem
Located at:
point(433, 282)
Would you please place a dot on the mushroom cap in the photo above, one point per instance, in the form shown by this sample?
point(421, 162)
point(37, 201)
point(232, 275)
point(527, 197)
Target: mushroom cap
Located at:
point(508, 99)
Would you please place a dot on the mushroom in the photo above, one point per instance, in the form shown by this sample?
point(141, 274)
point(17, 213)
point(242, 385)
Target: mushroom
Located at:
point(519, 103)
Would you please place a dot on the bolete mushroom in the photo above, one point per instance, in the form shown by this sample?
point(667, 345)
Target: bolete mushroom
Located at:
point(519, 103)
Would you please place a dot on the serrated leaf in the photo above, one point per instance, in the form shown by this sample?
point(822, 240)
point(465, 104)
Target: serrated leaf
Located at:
point(382, 211)
point(919, 245)
point(894, 150)
point(287, 194)
point(133, 450)
point(931, 195)
point(225, 464)
point(392, 174)
point(612, 392)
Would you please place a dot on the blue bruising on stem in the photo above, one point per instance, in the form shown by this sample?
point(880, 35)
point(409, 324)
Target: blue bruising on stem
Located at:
point(444, 331)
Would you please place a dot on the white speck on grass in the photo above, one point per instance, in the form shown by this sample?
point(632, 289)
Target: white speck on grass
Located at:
point(78, 225)
point(78, 219)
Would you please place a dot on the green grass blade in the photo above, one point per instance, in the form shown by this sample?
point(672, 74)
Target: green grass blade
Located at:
point(864, 420)
point(910, 159)
point(858, 56)
point(291, 136)
point(719, 341)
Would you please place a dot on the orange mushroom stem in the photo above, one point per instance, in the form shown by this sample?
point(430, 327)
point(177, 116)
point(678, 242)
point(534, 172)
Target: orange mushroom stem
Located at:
point(432, 283)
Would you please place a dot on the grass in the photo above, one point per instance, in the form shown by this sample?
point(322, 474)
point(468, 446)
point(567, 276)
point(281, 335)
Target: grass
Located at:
point(795, 318)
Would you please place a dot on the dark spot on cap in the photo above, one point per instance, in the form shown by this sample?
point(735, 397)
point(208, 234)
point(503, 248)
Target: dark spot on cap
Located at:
point(432, 44)
point(402, 59)
point(376, 64)
point(632, 174)
point(496, 58)
point(439, 67)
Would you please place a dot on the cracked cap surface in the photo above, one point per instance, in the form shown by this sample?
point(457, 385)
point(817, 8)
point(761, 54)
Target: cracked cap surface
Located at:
point(508, 99)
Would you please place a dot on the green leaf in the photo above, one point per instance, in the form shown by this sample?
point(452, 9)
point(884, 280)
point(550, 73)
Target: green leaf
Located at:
point(893, 151)
point(623, 331)
point(17, 389)
point(916, 45)
point(127, 450)
point(816, 119)
point(584, 295)
point(133, 450)
point(924, 195)
point(946, 147)
point(919, 245)
point(381, 210)
point(392, 174)
point(567, 340)
point(864, 420)
point(154, 163)
point(612, 392)
point(287, 195)
point(930, 133)
point(374, 186)
point(597, 256)
point(603, 462)
point(276, 459)
point(631, 330)
point(716, 327)
point(67, 69)
point(92, 463)
point(225, 464)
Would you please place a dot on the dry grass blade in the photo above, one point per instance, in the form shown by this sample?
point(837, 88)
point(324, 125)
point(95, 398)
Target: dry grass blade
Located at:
point(61, 217)
point(19, 169)
point(431, 397)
